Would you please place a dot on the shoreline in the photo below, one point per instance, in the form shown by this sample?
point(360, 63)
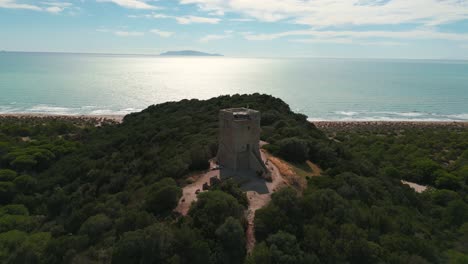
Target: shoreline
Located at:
point(322, 124)
point(114, 118)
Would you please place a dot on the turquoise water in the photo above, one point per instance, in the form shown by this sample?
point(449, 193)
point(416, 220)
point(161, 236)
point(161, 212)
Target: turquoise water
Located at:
point(323, 89)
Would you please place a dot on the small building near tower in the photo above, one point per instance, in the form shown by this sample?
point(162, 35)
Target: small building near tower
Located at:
point(239, 140)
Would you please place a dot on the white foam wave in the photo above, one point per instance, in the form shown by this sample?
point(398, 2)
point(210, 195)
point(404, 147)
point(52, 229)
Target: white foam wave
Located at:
point(7, 109)
point(347, 113)
point(405, 114)
point(125, 111)
point(47, 109)
point(459, 116)
point(382, 119)
point(60, 110)
point(410, 114)
point(391, 116)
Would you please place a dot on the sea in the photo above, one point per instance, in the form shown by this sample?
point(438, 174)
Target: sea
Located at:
point(322, 89)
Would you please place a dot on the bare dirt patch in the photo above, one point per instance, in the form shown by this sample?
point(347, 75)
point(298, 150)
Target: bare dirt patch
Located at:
point(189, 192)
point(295, 174)
point(416, 187)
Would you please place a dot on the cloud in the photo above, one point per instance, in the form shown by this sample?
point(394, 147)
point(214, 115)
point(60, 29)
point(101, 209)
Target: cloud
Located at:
point(51, 7)
point(196, 19)
point(241, 19)
point(349, 41)
point(132, 4)
point(104, 30)
point(319, 34)
point(209, 38)
point(322, 13)
point(183, 20)
point(163, 34)
point(56, 7)
point(11, 4)
point(128, 33)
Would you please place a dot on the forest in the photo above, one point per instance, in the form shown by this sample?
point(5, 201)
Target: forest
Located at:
point(74, 191)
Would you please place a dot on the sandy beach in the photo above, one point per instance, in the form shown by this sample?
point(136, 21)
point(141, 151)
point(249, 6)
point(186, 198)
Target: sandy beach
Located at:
point(324, 125)
point(391, 125)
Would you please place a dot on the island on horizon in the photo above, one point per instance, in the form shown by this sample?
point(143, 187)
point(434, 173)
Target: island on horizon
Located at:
point(189, 53)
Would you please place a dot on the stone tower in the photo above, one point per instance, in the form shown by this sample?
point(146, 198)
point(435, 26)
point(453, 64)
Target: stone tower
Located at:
point(239, 140)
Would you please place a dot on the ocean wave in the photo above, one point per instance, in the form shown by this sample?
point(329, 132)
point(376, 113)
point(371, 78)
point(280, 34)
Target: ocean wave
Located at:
point(382, 119)
point(406, 114)
point(347, 113)
point(47, 109)
point(69, 111)
point(357, 113)
point(7, 109)
point(390, 116)
point(125, 111)
point(459, 116)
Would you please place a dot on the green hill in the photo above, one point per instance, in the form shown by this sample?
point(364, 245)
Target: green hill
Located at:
point(74, 192)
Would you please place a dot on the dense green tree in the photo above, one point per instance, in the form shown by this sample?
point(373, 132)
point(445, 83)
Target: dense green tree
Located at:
point(293, 149)
point(191, 246)
point(199, 158)
point(457, 212)
point(23, 163)
point(163, 196)
point(9, 242)
point(14, 209)
point(445, 180)
point(260, 255)
point(95, 226)
point(231, 187)
point(463, 174)
point(153, 244)
point(214, 201)
point(7, 192)
point(25, 184)
point(231, 237)
point(425, 170)
point(284, 249)
point(32, 249)
point(132, 220)
point(7, 175)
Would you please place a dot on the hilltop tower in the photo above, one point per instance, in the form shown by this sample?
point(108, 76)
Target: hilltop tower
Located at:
point(239, 140)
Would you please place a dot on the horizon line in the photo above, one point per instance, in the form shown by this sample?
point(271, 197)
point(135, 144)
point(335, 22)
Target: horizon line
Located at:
point(227, 56)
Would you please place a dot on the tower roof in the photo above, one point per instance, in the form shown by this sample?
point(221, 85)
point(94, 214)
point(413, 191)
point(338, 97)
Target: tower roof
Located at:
point(241, 113)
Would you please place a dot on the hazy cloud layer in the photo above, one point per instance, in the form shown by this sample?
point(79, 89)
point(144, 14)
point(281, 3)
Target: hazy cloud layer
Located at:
point(133, 4)
point(319, 13)
point(51, 7)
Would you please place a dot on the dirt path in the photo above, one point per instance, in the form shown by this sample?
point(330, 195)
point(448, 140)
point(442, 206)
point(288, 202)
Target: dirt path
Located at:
point(256, 200)
point(189, 192)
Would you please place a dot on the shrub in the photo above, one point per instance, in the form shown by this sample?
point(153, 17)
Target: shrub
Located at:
point(7, 175)
point(95, 226)
point(293, 149)
point(163, 196)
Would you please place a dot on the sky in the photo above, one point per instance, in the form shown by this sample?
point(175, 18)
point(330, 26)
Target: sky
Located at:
point(413, 29)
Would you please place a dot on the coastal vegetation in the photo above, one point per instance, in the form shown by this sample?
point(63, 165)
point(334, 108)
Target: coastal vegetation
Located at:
point(79, 191)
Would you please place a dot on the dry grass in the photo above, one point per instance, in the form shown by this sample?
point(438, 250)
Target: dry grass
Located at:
point(295, 174)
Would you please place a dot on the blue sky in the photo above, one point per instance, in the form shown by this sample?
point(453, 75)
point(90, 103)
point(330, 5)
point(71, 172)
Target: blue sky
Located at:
point(420, 29)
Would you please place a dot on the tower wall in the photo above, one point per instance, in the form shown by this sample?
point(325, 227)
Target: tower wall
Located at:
point(239, 139)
